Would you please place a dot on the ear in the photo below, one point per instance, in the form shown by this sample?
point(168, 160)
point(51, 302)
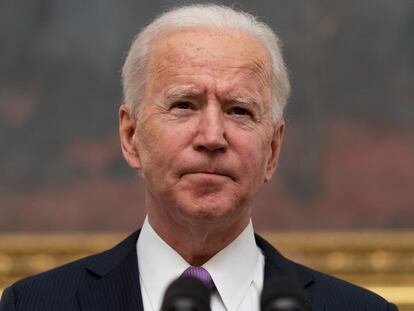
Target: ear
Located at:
point(127, 134)
point(275, 146)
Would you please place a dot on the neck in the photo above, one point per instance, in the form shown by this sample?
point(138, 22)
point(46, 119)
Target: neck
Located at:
point(197, 240)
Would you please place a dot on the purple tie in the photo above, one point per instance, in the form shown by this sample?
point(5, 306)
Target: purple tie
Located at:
point(201, 274)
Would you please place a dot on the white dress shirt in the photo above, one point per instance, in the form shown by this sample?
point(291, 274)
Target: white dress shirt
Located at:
point(237, 271)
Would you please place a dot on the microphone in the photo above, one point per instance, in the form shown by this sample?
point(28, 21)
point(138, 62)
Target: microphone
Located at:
point(186, 294)
point(283, 294)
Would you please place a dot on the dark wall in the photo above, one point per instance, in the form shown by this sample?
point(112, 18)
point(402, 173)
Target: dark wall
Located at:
point(348, 157)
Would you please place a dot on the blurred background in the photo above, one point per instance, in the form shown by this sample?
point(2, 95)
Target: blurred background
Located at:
point(347, 159)
point(342, 201)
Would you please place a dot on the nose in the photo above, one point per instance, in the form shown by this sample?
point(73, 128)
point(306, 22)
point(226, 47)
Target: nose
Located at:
point(211, 135)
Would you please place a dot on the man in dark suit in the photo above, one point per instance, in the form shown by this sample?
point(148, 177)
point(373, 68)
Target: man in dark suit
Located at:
point(205, 88)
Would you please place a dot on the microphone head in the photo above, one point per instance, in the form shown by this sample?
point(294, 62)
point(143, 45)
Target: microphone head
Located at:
point(186, 294)
point(283, 294)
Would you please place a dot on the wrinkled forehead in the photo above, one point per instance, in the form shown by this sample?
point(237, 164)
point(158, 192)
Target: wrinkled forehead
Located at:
point(202, 46)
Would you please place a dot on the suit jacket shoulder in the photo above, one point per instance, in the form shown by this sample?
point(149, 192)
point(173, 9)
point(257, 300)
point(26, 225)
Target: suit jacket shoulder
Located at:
point(325, 292)
point(106, 281)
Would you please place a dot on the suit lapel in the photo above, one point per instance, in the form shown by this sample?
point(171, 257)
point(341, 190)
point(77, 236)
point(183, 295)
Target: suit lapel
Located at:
point(113, 282)
point(277, 265)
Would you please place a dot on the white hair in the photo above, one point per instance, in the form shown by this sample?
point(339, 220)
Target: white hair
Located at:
point(210, 15)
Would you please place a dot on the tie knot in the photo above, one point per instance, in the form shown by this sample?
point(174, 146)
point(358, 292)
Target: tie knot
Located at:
point(201, 274)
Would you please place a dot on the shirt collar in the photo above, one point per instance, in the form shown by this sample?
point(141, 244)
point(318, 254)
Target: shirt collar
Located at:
point(158, 263)
point(232, 269)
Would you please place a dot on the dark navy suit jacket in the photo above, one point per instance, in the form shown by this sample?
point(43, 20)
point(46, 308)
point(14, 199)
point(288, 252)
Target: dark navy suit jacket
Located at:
point(110, 281)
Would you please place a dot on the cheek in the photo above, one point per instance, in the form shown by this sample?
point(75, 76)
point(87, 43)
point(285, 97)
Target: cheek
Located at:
point(146, 139)
point(159, 145)
point(254, 154)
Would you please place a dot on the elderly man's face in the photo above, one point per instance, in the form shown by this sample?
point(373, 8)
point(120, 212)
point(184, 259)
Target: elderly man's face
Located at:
point(205, 138)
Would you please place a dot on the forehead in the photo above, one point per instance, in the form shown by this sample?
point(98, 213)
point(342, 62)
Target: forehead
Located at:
point(223, 51)
point(208, 41)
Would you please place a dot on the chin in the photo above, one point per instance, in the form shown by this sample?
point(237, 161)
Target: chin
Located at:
point(209, 208)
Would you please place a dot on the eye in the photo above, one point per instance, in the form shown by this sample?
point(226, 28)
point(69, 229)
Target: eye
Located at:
point(240, 111)
point(182, 105)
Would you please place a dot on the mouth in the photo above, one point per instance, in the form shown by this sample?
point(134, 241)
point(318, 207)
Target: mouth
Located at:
point(211, 174)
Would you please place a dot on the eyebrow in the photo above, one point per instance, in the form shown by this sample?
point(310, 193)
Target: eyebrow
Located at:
point(246, 100)
point(182, 91)
point(189, 91)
